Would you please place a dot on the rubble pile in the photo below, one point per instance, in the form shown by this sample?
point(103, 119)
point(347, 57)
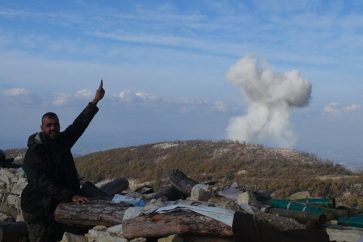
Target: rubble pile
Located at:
point(187, 210)
point(12, 183)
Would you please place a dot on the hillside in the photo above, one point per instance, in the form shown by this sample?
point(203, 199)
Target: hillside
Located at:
point(255, 167)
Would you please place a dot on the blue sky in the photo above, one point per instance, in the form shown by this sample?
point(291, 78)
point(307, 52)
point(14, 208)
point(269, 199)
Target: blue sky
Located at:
point(164, 66)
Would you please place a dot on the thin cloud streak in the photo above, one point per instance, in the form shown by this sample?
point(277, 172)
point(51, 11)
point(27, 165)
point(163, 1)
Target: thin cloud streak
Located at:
point(316, 37)
point(335, 108)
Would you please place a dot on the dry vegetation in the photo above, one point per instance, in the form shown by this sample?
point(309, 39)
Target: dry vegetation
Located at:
point(280, 171)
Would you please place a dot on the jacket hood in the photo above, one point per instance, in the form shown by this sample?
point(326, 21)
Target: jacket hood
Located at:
point(35, 139)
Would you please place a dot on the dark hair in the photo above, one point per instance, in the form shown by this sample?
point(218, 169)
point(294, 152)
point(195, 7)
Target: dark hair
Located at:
point(49, 115)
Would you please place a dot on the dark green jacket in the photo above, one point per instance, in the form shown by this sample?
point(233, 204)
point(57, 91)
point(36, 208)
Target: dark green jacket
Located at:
point(50, 170)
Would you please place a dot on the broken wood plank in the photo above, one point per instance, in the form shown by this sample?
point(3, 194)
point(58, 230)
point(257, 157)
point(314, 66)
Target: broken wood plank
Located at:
point(169, 193)
point(161, 225)
point(96, 212)
point(115, 186)
point(182, 182)
point(91, 191)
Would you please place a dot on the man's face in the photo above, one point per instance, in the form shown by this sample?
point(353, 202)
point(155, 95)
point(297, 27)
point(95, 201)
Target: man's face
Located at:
point(50, 127)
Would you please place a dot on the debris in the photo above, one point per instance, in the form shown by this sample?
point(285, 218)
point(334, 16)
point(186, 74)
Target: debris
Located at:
point(200, 192)
point(300, 195)
point(115, 186)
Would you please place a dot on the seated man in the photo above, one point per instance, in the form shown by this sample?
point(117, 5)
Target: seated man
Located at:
point(51, 173)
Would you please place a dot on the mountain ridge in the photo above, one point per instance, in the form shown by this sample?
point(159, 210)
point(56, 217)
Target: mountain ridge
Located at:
point(254, 167)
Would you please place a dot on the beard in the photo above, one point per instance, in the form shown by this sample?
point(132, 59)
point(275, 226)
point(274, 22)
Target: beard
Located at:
point(52, 135)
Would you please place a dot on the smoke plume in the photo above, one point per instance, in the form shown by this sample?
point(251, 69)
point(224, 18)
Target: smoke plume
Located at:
point(270, 97)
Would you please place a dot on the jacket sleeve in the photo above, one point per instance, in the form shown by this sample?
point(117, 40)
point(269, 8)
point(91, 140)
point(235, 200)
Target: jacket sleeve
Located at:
point(36, 171)
point(72, 133)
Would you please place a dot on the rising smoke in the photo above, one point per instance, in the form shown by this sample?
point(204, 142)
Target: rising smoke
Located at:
point(270, 97)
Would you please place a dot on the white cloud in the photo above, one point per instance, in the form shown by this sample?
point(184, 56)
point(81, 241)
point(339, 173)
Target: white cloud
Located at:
point(334, 108)
point(331, 108)
point(10, 13)
point(15, 92)
point(185, 105)
point(60, 99)
point(84, 93)
point(134, 97)
point(351, 108)
point(219, 106)
point(153, 39)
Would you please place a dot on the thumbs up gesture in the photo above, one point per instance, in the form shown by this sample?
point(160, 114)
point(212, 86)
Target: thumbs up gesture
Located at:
point(100, 92)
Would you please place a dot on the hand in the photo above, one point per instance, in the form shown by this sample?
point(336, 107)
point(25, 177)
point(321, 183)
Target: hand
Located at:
point(99, 93)
point(79, 199)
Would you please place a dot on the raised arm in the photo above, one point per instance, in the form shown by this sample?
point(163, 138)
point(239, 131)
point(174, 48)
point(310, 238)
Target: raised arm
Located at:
point(99, 94)
point(72, 133)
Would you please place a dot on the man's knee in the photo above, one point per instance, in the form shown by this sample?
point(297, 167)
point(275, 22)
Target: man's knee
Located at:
point(42, 231)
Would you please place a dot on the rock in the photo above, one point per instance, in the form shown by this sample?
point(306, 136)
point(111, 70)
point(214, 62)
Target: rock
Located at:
point(7, 218)
point(300, 195)
point(135, 184)
point(241, 172)
point(116, 230)
point(248, 202)
point(246, 198)
point(68, 237)
point(200, 192)
point(139, 240)
point(5, 175)
point(12, 183)
point(344, 234)
point(18, 187)
point(231, 192)
point(2, 185)
point(103, 234)
point(12, 200)
point(172, 238)
point(100, 228)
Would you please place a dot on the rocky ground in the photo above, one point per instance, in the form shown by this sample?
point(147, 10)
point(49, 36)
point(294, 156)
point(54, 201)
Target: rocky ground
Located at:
point(12, 181)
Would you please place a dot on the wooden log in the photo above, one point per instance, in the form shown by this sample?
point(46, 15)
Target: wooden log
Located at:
point(13, 232)
point(96, 212)
point(161, 225)
point(115, 186)
point(145, 190)
point(5, 207)
point(90, 190)
point(169, 193)
point(305, 218)
point(182, 182)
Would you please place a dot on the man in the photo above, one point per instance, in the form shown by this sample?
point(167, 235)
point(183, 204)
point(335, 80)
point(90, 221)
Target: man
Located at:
point(51, 173)
point(2, 156)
